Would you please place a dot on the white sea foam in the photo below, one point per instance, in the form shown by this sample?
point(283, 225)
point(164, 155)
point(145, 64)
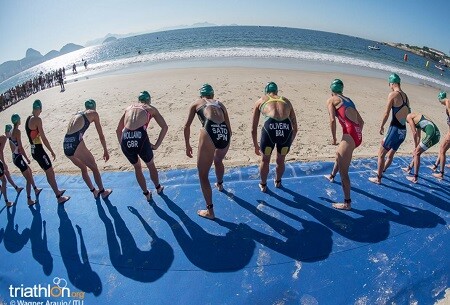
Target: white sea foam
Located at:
point(266, 53)
point(224, 53)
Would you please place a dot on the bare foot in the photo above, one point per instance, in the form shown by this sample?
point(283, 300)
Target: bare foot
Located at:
point(406, 169)
point(37, 191)
point(105, 193)
point(329, 177)
point(219, 186)
point(148, 195)
point(263, 187)
point(206, 214)
point(63, 199)
point(19, 189)
point(31, 202)
point(432, 167)
point(375, 180)
point(412, 179)
point(342, 206)
point(438, 175)
point(160, 189)
point(9, 204)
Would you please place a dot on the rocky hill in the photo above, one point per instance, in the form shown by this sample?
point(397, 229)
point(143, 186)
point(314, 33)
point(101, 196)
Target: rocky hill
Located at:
point(32, 58)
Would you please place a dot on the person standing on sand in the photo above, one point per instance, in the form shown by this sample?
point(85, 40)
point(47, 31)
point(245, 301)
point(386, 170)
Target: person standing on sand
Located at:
point(213, 143)
point(445, 145)
point(134, 142)
point(418, 122)
point(18, 153)
point(75, 149)
point(352, 124)
point(280, 129)
point(35, 132)
point(4, 172)
point(398, 103)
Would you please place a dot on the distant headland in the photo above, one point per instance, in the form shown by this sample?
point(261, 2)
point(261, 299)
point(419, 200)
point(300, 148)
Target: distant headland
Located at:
point(426, 52)
point(32, 58)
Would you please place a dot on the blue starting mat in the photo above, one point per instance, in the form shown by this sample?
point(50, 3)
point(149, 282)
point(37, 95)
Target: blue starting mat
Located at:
point(286, 246)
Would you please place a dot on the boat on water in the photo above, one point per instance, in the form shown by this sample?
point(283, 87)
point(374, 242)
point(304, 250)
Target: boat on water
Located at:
point(439, 67)
point(374, 48)
point(443, 63)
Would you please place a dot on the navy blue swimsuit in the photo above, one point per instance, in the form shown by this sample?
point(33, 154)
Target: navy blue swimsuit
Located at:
point(71, 141)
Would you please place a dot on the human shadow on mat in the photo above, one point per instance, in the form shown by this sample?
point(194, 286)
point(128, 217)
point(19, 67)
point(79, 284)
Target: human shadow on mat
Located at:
point(371, 227)
point(126, 257)
point(208, 252)
point(79, 269)
point(311, 243)
point(417, 192)
point(435, 185)
point(2, 230)
point(12, 239)
point(406, 215)
point(38, 240)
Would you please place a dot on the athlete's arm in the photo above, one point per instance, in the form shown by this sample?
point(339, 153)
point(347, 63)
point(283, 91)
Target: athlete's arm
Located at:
point(187, 129)
point(162, 123)
point(387, 111)
point(20, 147)
point(255, 120)
point(120, 127)
point(98, 126)
point(447, 103)
point(414, 132)
point(44, 138)
point(332, 115)
point(293, 119)
point(2, 146)
point(360, 120)
point(227, 119)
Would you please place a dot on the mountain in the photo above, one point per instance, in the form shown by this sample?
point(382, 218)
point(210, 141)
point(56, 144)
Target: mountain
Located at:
point(32, 53)
point(109, 39)
point(70, 47)
point(32, 58)
point(176, 27)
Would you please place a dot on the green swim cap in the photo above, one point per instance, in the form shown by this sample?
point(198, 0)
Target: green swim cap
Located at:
point(37, 105)
point(206, 90)
point(15, 118)
point(271, 87)
point(8, 127)
point(337, 86)
point(394, 79)
point(90, 104)
point(145, 97)
point(442, 95)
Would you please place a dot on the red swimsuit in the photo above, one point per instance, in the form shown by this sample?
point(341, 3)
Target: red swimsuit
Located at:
point(348, 126)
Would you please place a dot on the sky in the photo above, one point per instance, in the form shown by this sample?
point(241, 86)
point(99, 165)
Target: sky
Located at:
point(46, 25)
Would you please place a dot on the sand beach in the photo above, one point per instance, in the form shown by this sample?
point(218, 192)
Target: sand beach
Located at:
point(238, 88)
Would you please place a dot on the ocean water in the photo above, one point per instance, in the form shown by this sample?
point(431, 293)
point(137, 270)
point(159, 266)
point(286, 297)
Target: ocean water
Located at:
point(241, 46)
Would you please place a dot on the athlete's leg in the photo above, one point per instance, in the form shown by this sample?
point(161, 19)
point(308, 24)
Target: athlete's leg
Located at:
point(389, 159)
point(50, 174)
point(280, 168)
point(345, 153)
point(205, 157)
point(445, 145)
point(219, 168)
point(84, 174)
point(86, 157)
point(382, 164)
point(416, 161)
